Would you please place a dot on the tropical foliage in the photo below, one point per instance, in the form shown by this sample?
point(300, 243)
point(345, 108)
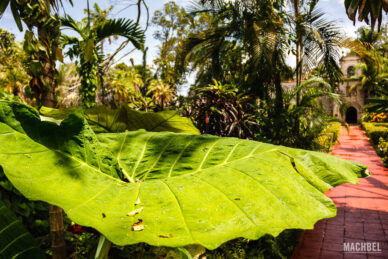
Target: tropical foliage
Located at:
point(368, 11)
point(117, 142)
point(253, 60)
point(13, 77)
point(371, 47)
point(104, 120)
point(220, 110)
point(87, 48)
point(21, 244)
point(162, 93)
point(378, 134)
point(165, 188)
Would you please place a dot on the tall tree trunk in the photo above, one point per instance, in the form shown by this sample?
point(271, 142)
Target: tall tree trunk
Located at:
point(49, 70)
point(57, 231)
point(298, 58)
point(277, 81)
point(279, 93)
point(298, 47)
point(49, 37)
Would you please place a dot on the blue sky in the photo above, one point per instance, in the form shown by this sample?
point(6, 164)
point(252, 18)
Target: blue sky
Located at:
point(334, 10)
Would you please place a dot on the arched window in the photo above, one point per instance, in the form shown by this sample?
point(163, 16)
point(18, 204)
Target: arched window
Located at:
point(351, 71)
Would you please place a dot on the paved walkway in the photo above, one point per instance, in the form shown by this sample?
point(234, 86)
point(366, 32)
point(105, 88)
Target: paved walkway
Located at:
point(362, 209)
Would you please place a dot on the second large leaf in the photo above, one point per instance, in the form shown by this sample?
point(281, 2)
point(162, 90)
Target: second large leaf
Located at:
point(184, 189)
point(103, 119)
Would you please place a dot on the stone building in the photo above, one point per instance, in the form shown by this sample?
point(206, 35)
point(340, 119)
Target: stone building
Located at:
point(351, 109)
point(355, 100)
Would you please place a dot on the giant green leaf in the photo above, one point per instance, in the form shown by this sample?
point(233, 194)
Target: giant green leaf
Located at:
point(15, 240)
point(103, 119)
point(182, 189)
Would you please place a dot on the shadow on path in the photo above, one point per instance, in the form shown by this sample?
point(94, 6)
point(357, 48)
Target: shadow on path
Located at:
point(362, 209)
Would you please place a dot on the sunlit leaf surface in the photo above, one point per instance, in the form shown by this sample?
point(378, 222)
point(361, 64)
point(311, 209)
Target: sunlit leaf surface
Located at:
point(165, 188)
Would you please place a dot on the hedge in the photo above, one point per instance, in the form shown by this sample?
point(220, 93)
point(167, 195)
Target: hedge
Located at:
point(382, 150)
point(375, 131)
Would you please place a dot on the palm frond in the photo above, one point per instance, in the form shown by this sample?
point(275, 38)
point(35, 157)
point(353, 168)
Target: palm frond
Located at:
point(376, 105)
point(311, 83)
point(3, 6)
point(57, 3)
point(68, 22)
point(368, 11)
point(322, 43)
point(121, 27)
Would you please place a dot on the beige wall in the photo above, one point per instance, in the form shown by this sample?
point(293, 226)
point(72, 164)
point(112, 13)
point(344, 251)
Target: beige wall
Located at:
point(354, 99)
point(357, 97)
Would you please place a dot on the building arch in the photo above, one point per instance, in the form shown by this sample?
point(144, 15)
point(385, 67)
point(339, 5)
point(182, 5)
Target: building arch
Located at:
point(351, 115)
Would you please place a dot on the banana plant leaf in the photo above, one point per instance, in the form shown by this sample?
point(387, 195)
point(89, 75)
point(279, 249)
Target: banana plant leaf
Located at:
point(169, 189)
point(15, 240)
point(104, 120)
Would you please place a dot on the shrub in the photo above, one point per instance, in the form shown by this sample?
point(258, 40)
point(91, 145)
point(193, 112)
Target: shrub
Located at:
point(375, 117)
point(220, 110)
point(375, 131)
point(327, 138)
point(382, 149)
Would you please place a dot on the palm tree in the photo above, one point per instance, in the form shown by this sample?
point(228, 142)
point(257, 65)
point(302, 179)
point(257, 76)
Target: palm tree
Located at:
point(371, 79)
point(298, 22)
point(318, 40)
point(17, 8)
point(43, 55)
point(87, 48)
point(68, 87)
point(374, 66)
point(368, 11)
point(125, 84)
point(239, 38)
point(41, 63)
point(262, 27)
point(162, 93)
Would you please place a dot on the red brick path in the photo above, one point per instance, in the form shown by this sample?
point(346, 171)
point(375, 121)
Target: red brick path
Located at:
point(362, 209)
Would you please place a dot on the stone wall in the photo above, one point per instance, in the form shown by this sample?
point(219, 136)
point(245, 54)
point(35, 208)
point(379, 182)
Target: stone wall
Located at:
point(356, 98)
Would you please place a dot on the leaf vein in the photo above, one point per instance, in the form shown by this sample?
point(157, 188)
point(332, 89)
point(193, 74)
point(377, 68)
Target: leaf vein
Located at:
point(13, 241)
point(180, 211)
point(179, 157)
point(9, 225)
point(230, 200)
point(157, 160)
point(141, 156)
point(267, 191)
point(206, 155)
point(92, 198)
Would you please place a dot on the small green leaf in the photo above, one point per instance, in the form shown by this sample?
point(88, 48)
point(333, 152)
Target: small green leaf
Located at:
point(183, 253)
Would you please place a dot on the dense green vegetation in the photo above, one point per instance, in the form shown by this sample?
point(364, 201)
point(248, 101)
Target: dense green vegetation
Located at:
point(142, 171)
point(375, 131)
point(378, 135)
point(167, 176)
point(327, 138)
